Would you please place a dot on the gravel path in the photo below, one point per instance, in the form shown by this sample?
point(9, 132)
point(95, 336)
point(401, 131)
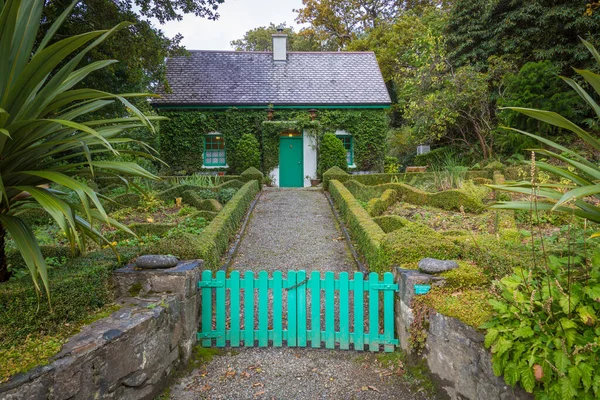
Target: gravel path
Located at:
point(293, 229)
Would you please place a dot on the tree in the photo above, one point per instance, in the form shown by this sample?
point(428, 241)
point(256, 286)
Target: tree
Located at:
point(260, 39)
point(338, 22)
point(47, 137)
point(533, 30)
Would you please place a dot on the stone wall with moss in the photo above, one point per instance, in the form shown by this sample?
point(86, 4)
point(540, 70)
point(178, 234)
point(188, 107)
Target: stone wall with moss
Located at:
point(182, 136)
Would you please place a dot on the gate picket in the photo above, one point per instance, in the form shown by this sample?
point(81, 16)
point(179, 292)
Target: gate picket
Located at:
point(248, 309)
point(359, 318)
point(297, 288)
point(277, 309)
point(234, 310)
point(315, 316)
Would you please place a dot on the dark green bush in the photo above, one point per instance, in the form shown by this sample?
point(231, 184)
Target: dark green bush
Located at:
point(246, 154)
point(78, 288)
point(35, 216)
point(390, 223)
point(331, 154)
point(434, 158)
point(415, 242)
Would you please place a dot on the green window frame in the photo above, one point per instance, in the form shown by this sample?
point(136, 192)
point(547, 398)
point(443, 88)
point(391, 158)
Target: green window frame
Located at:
point(215, 151)
point(349, 146)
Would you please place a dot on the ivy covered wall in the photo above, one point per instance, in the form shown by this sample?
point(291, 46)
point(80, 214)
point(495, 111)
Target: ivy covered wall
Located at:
point(182, 142)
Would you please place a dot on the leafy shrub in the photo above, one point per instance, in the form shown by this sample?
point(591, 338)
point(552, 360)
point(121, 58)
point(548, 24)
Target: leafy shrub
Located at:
point(415, 242)
point(331, 154)
point(246, 154)
point(551, 348)
point(391, 165)
point(434, 158)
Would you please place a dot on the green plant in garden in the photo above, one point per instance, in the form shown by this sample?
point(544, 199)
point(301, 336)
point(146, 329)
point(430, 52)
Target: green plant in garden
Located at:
point(546, 331)
point(246, 154)
point(46, 135)
point(579, 176)
point(331, 154)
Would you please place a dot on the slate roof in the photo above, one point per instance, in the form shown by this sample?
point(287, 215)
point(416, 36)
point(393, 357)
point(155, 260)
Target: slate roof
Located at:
point(253, 78)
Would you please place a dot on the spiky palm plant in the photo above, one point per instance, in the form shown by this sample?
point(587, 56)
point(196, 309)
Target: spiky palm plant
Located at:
point(47, 135)
point(583, 176)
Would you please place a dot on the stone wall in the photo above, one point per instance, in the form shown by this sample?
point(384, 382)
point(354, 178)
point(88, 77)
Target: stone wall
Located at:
point(130, 354)
point(454, 351)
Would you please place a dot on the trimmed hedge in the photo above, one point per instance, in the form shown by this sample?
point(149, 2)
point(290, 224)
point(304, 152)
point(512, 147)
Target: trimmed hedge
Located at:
point(390, 223)
point(207, 215)
point(377, 206)
point(214, 239)
point(334, 173)
point(192, 198)
point(451, 199)
point(122, 201)
point(78, 288)
point(252, 174)
point(364, 230)
point(416, 241)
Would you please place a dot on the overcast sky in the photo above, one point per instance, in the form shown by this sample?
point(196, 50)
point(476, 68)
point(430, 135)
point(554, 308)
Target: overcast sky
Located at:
point(236, 18)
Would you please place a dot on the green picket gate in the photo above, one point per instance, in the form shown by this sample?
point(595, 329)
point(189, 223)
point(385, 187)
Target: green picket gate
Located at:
point(274, 310)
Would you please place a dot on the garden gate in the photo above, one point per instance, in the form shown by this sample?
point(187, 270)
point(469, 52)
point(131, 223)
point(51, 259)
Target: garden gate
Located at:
point(258, 310)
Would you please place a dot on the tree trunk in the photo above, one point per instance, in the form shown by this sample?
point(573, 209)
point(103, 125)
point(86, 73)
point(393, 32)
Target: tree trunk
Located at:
point(4, 272)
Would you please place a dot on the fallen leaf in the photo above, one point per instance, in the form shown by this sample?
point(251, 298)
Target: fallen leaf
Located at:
point(205, 388)
point(538, 372)
point(257, 384)
point(374, 389)
point(259, 393)
point(364, 388)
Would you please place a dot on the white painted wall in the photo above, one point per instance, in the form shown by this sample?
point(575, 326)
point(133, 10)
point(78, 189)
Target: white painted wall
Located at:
point(309, 145)
point(275, 175)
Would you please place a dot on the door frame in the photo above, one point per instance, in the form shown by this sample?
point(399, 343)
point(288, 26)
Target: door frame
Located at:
point(299, 137)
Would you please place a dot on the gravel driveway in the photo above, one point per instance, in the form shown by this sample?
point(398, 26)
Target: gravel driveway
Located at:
point(293, 229)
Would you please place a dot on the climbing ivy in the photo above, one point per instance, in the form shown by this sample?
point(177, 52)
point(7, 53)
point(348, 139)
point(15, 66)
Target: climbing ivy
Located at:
point(182, 136)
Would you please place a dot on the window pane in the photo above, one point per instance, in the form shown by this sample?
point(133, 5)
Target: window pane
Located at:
point(214, 150)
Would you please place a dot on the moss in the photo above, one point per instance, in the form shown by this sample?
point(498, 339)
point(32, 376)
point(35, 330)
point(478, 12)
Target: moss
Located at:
point(415, 242)
point(467, 305)
point(467, 275)
point(203, 355)
point(135, 289)
point(390, 223)
point(183, 245)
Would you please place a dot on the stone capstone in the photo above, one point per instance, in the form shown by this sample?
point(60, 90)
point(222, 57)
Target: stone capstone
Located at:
point(433, 266)
point(156, 262)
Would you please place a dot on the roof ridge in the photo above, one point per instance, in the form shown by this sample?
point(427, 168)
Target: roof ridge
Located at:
point(270, 52)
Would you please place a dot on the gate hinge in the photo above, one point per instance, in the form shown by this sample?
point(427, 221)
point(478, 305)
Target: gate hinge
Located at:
point(209, 284)
point(385, 286)
point(208, 335)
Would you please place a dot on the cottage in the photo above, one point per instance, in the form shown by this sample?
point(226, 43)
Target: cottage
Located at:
point(287, 100)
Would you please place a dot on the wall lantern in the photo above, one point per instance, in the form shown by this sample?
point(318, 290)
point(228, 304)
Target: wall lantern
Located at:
point(270, 112)
point(313, 114)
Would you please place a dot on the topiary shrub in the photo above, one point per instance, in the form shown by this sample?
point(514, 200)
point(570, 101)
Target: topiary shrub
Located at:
point(246, 154)
point(183, 245)
point(415, 242)
point(334, 173)
point(378, 205)
point(390, 223)
point(331, 154)
point(252, 174)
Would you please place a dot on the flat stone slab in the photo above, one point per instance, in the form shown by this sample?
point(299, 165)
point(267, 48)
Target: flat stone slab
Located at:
point(434, 266)
point(152, 261)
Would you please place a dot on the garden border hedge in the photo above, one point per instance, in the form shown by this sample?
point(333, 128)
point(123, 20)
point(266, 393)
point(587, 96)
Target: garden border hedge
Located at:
point(364, 230)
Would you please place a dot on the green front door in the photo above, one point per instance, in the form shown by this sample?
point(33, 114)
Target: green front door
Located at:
point(290, 162)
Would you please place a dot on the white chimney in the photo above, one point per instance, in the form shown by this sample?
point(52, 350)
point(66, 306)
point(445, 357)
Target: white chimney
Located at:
point(279, 45)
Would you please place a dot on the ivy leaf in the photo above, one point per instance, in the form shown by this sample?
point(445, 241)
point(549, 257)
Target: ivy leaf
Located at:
point(527, 378)
point(566, 390)
point(502, 346)
point(593, 291)
point(511, 374)
point(586, 372)
point(524, 332)
point(490, 337)
point(574, 376)
point(561, 360)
